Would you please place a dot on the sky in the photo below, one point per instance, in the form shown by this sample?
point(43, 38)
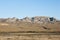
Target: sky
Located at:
point(30, 8)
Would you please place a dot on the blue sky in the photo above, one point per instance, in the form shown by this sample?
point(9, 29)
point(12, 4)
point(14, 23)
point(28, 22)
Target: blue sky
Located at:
point(22, 8)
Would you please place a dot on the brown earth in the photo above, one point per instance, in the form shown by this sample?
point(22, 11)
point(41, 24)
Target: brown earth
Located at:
point(26, 26)
point(29, 31)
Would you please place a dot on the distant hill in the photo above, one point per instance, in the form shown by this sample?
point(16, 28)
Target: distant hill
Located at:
point(36, 19)
point(37, 23)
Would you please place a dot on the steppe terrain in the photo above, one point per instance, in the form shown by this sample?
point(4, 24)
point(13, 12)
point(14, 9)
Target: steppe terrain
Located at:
point(35, 28)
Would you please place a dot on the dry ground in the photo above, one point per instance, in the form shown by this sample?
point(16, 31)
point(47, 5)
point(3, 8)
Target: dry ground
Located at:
point(23, 26)
point(31, 37)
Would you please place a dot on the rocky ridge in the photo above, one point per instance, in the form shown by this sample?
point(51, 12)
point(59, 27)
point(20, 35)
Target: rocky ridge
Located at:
point(36, 19)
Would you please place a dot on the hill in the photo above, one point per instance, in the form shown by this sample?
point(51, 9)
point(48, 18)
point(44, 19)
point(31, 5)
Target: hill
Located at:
point(33, 24)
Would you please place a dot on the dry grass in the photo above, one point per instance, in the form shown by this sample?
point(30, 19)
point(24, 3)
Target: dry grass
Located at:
point(31, 37)
point(23, 26)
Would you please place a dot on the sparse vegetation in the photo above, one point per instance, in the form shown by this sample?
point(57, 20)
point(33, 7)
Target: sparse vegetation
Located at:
point(36, 28)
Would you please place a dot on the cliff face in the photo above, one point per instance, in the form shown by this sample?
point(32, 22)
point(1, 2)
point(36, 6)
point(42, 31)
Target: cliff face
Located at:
point(37, 23)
